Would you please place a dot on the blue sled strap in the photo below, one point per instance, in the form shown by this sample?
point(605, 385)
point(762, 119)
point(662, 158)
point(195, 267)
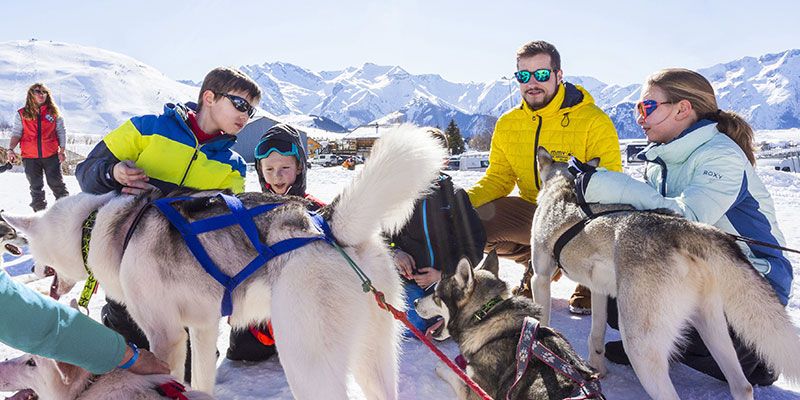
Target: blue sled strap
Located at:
point(244, 218)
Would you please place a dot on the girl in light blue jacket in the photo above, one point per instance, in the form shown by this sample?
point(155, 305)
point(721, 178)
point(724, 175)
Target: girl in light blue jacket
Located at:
point(700, 165)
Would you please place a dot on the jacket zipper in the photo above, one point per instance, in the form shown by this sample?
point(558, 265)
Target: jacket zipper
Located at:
point(39, 133)
point(188, 167)
point(535, 150)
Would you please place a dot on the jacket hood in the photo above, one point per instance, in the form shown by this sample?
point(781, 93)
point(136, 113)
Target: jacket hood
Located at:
point(568, 98)
point(290, 135)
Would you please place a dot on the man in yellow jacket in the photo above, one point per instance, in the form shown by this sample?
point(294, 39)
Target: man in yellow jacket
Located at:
point(555, 114)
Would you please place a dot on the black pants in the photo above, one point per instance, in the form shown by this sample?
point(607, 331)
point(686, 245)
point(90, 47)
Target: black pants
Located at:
point(697, 355)
point(116, 317)
point(50, 169)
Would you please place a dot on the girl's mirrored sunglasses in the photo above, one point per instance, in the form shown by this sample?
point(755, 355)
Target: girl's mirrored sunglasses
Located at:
point(646, 107)
point(541, 75)
point(40, 92)
point(240, 104)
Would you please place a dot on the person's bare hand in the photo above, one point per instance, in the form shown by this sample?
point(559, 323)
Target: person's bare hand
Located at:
point(12, 157)
point(131, 177)
point(147, 363)
point(427, 276)
point(405, 263)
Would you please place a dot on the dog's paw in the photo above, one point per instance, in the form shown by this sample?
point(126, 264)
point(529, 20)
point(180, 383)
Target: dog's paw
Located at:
point(598, 362)
point(444, 372)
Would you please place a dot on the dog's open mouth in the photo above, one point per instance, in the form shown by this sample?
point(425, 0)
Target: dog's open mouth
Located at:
point(436, 329)
point(14, 250)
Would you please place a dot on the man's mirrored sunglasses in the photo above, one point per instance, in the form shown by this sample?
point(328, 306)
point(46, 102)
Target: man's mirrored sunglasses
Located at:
point(541, 75)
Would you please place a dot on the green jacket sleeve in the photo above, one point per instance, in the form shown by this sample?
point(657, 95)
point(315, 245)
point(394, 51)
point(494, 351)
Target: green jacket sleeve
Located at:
point(39, 325)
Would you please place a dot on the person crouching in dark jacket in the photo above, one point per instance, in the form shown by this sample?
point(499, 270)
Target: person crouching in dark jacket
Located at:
point(443, 228)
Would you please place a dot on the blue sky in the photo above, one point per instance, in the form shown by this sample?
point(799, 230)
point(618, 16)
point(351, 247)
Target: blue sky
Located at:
point(617, 42)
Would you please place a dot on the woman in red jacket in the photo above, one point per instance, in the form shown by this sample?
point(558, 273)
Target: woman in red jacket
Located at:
point(39, 130)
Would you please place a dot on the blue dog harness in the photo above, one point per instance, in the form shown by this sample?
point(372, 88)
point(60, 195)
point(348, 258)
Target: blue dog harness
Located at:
point(244, 218)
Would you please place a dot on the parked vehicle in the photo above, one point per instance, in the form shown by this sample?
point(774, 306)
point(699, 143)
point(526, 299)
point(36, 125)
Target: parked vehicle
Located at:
point(791, 164)
point(474, 161)
point(326, 160)
point(453, 162)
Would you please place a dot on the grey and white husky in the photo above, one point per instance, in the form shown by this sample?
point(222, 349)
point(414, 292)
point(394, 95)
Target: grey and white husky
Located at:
point(325, 326)
point(54, 380)
point(10, 241)
point(666, 273)
point(485, 320)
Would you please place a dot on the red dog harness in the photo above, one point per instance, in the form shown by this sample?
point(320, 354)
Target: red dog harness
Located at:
point(173, 390)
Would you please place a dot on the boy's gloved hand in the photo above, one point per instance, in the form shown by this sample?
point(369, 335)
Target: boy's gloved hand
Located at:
point(582, 173)
point(577, 167)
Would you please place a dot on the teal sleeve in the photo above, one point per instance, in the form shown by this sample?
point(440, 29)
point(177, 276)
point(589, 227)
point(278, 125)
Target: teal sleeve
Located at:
point(35, 324)
point(705, 197)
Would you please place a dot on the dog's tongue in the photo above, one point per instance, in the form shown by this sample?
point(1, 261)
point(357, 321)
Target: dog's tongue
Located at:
point(434, 327)
point(13, 249)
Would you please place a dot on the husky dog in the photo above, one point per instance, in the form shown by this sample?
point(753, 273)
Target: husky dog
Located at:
point(53, 380)
point(325, 326)
point(485, 320)
point(666, 273)
point(10, 241)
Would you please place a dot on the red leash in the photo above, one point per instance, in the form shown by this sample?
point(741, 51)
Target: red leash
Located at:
point(401, 316)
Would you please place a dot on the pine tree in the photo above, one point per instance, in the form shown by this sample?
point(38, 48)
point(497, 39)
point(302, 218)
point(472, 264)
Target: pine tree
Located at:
point(454, 138)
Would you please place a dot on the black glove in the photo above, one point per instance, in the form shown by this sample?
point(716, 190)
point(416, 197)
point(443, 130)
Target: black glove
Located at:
point(582, 173)
point(4, 168)
point(577, 167)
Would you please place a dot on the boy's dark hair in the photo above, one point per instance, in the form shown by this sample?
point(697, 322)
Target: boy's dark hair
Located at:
point(537, 47)
point(226, 80)
point(438, 134)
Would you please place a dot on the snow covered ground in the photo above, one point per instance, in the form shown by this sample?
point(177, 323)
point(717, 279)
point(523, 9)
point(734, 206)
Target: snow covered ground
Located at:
point(239, 380)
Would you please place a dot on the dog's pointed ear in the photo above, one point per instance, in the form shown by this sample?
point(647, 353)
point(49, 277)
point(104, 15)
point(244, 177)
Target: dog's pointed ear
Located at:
point(20, 223)
point(491, 263)
point(544, 157)
point(594, 162)
point(68, 373)
point(463, 275)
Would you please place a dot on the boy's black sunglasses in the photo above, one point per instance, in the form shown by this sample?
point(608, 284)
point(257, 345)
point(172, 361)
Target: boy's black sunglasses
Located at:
point(239, 104)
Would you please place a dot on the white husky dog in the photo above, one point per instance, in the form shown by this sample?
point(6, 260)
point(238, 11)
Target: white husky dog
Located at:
point(53, 380)
point(325, 326)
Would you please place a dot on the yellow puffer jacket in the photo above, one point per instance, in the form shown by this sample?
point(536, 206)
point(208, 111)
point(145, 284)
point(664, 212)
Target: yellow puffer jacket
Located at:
point(571, 125)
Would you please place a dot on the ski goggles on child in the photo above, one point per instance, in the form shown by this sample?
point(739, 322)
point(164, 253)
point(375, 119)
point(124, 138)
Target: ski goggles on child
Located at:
point(541, 75)
point(646, 107)
point(239, 104)
point(268, 145)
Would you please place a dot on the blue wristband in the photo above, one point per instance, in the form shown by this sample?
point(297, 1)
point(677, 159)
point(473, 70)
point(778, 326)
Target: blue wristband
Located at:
point(133, 359)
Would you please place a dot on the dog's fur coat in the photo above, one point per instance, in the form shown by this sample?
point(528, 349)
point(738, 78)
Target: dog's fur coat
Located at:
point(325, 325)
point(53, 380)
point(490, 344)
point(666, 273)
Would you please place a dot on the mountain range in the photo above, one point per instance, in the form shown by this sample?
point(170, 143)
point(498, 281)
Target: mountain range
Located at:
point(99, 89)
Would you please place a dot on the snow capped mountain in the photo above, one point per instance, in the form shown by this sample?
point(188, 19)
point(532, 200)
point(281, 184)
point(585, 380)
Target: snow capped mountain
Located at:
point(763, 90)
point(97, 90)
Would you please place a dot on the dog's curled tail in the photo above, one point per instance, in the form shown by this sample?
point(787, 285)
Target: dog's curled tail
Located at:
point(758, 318)
point(401, 168)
